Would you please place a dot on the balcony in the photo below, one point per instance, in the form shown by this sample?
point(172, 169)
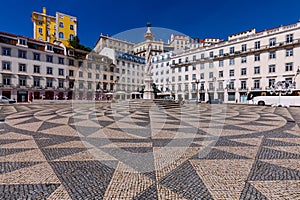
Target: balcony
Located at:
point(256, 88)
point(242, 89)
point(231, 89)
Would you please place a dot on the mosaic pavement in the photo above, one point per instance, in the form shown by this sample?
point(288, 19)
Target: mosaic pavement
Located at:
point(127, 151)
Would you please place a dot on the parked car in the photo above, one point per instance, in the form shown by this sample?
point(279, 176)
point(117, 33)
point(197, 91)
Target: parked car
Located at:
point(215, 101)
point(4, 99)
point(193, 100)
point(169, 98)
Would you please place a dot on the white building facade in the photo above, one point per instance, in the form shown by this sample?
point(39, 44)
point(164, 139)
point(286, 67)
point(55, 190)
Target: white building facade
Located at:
point(248, 61)
point(31, 69)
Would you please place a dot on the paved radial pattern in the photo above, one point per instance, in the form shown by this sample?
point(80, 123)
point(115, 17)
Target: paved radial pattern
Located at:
point(149, 151)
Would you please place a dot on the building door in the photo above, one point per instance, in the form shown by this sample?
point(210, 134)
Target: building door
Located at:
point(22, 96)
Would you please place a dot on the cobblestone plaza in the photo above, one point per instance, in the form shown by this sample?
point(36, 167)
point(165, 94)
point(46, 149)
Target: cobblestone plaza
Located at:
point(130, 151)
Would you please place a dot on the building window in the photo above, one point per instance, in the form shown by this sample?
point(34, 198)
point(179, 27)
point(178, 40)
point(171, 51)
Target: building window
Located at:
point(272, 55)
point(49, 47)
point(244, 71)
point(6, 80)
point(81, 86)
point(186, 77)
point(257, 45)
point(186, 68)
point(194, 67)
point(221, 85)
point(271, 68)
point(231, 85)
point(49, 70)
point(60, 83)
point(22, 67)
point(202, 66)
point(231, 61)
point(36, 69)
point(221, 63)
point(104, 76)
point(257, 70)
point(231, 50)
point(220, 74)
point(89, 85)
point(40, 31)
point(49, 83)
point(61, 35)
point(289, 52)
point(272, 42)
point(202, 56)
point(71, 73)
point(211, 86)
point(36, 82)
point(243, 59)
point(97, 76)
point(60, 60)
point(211, 54)
point(71, 37)
point(36, 56)
point(289, 38)
point(244, 47)
point(71, 62)
point(202, 76)
point(5, 65)
point(231, 72)
point(22, 54)
point(211, 65)
point(22, 42)
point(194, 58)
point(186, 87)
point(288, 67)
point(179, 69)
point(243, 85)
point(256, 84)
point(221, 52)
point(179, 78)
point(72, 27)
point(61, 24)
point(271, 82)
point(6, 51)
point(61, 72)
point(22, 81)
point(89, 75)
point(81, 74)
point(49, 58)
point(211, 75)
point(257, 57)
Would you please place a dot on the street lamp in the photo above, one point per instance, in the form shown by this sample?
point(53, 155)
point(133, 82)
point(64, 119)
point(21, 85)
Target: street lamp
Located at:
point(197, 81)
point(297, 73)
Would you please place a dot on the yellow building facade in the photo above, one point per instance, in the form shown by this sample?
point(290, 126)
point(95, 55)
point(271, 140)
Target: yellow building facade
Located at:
point(60, 27)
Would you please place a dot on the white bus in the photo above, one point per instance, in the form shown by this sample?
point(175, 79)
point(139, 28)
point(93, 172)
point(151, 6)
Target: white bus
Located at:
point(266, 98)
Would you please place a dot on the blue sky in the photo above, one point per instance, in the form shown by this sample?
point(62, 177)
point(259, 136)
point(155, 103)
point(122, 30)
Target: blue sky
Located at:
point(196, 18)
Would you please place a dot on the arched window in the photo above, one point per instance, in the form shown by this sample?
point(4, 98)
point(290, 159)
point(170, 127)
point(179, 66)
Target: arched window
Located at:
point(61, 35)
point(71, 37)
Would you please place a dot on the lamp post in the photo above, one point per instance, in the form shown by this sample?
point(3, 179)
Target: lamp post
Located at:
point(197, 89)
point(296, 74)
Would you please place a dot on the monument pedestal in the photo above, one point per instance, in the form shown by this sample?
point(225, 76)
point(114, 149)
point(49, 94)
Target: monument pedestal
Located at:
point(148, 91)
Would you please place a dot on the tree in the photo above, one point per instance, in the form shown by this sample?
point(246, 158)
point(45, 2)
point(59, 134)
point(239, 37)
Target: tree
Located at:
point(75, 43)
